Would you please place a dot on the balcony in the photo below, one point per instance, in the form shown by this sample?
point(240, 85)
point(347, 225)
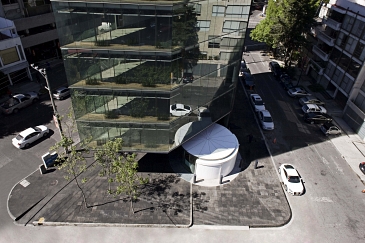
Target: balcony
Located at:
point(317, 66)
point(324, 56)
point(332, 23)
point(325, 38)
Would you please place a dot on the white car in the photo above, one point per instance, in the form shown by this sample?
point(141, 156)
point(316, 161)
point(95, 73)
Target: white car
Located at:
point(30, 135)
point(310, 100)
point(292, 181)
point(266, 120)
point(308, 108)
point(297, 92)
point(257, 102)
point(179, 110)
point(329, 128)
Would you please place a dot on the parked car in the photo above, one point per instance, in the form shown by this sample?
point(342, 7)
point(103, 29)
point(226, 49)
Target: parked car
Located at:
point(329, 128)
point(285, 77)
point(188, 78)
point(247, 79)
point(275, 69)
point(287, 85)
point(18, 101)
point(179, 110)
point(257, 102)
point(308, 108)
point(310, 100)
point(362, 167)
point(204, 114)
point(61, 93)
point(30, 135)
point(266, 120)
point(292, 181)
point(317, 118)
point(297, 92)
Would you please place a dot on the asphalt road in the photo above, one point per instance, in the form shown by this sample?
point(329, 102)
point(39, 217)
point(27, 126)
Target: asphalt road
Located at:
point(331, 210)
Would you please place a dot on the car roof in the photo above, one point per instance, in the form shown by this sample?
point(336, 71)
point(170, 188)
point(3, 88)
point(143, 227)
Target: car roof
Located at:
point(290, 169)
point(265, 113)
point(26, 132)
point(312, 106)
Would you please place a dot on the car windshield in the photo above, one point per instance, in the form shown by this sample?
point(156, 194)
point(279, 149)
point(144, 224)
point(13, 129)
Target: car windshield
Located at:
point(267, 119)
point(259, 102)
point(19, 137)
point(294, 179)
point(37, 129)
point(187, 107)
point(173, 107)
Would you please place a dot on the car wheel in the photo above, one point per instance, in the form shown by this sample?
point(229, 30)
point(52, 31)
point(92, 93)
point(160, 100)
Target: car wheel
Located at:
point(286, 187)
point(26, 145)
point(15, 111)
point(45, 134)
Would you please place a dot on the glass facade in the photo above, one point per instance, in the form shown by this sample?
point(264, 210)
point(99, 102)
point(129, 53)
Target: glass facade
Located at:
point(128, 63)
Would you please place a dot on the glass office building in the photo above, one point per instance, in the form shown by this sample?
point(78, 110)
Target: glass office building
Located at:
point(140, 70)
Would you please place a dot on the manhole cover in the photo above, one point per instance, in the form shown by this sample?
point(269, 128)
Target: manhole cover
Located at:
point(53, 183)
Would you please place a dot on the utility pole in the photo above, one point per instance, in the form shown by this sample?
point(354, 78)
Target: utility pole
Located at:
point(56, 116)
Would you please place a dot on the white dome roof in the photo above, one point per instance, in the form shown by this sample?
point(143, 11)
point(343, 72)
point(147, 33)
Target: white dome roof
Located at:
point(214, 143)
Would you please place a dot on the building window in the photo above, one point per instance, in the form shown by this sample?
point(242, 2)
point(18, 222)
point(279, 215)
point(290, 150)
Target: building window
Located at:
point(353, 68)
point(335, 55)
point(232, 26)
point(350, 44)
point(341, 40)
point(344, 61)
point(359, 101)
point(330, 69)
point(337, 76)
point(232, 42)
point(214, 41)
point(197, 8)
point(359, 51)
point(348, 22)
point(218, 11)
point(358, 28)
point(9, 56)
point(237, 11)
point(347, 84)
point(203, 25)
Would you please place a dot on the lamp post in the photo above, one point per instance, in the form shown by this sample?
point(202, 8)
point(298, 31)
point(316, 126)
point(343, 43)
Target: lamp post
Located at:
point(56, 116)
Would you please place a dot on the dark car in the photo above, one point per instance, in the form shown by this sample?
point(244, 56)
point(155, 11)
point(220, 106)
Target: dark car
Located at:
point(275, 69)
point(313, 117)
point(188, 78)
point(285, 77)
point(329, 128)
point(287, 84)
point(362, 167)
point(247, 79)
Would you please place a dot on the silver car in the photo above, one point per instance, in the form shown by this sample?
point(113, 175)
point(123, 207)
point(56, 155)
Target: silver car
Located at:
point(61, 93)
point(18, 101)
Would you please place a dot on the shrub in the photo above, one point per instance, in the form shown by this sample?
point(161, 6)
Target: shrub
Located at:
point(111, 115)
point(92, 81)
point(102, 43)
point(121, 80)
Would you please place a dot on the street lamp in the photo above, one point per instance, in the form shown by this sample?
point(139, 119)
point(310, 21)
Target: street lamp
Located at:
point(56, 116)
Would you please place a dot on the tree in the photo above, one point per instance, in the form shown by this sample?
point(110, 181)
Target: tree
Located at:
point(70, 157)
point(121, 172)
point(285, 24)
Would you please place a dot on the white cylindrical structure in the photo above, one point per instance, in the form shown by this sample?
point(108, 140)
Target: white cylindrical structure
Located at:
point(212, 153)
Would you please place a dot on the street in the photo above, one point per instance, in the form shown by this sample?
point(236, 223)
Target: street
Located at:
point(331, 209)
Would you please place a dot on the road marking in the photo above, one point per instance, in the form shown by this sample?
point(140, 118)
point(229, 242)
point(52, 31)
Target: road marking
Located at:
point(4, 160)
point(322, 199)
point(339, 169)
point(24, 183)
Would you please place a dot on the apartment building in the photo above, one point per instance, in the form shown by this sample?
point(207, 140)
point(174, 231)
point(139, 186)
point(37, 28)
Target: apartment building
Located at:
point(12, 57)
point(35, 24)
point(337, 61)
point(141, 70)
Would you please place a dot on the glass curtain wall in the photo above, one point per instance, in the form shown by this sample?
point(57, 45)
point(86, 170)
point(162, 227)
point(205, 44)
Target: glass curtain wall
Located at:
point(141, 71)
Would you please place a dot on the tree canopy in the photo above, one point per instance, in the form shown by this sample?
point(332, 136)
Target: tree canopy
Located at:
point(285, 24)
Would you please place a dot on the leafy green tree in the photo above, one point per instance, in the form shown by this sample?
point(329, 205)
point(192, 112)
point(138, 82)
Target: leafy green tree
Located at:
point(285, 24)
point(71, 158)
point(121, 172)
